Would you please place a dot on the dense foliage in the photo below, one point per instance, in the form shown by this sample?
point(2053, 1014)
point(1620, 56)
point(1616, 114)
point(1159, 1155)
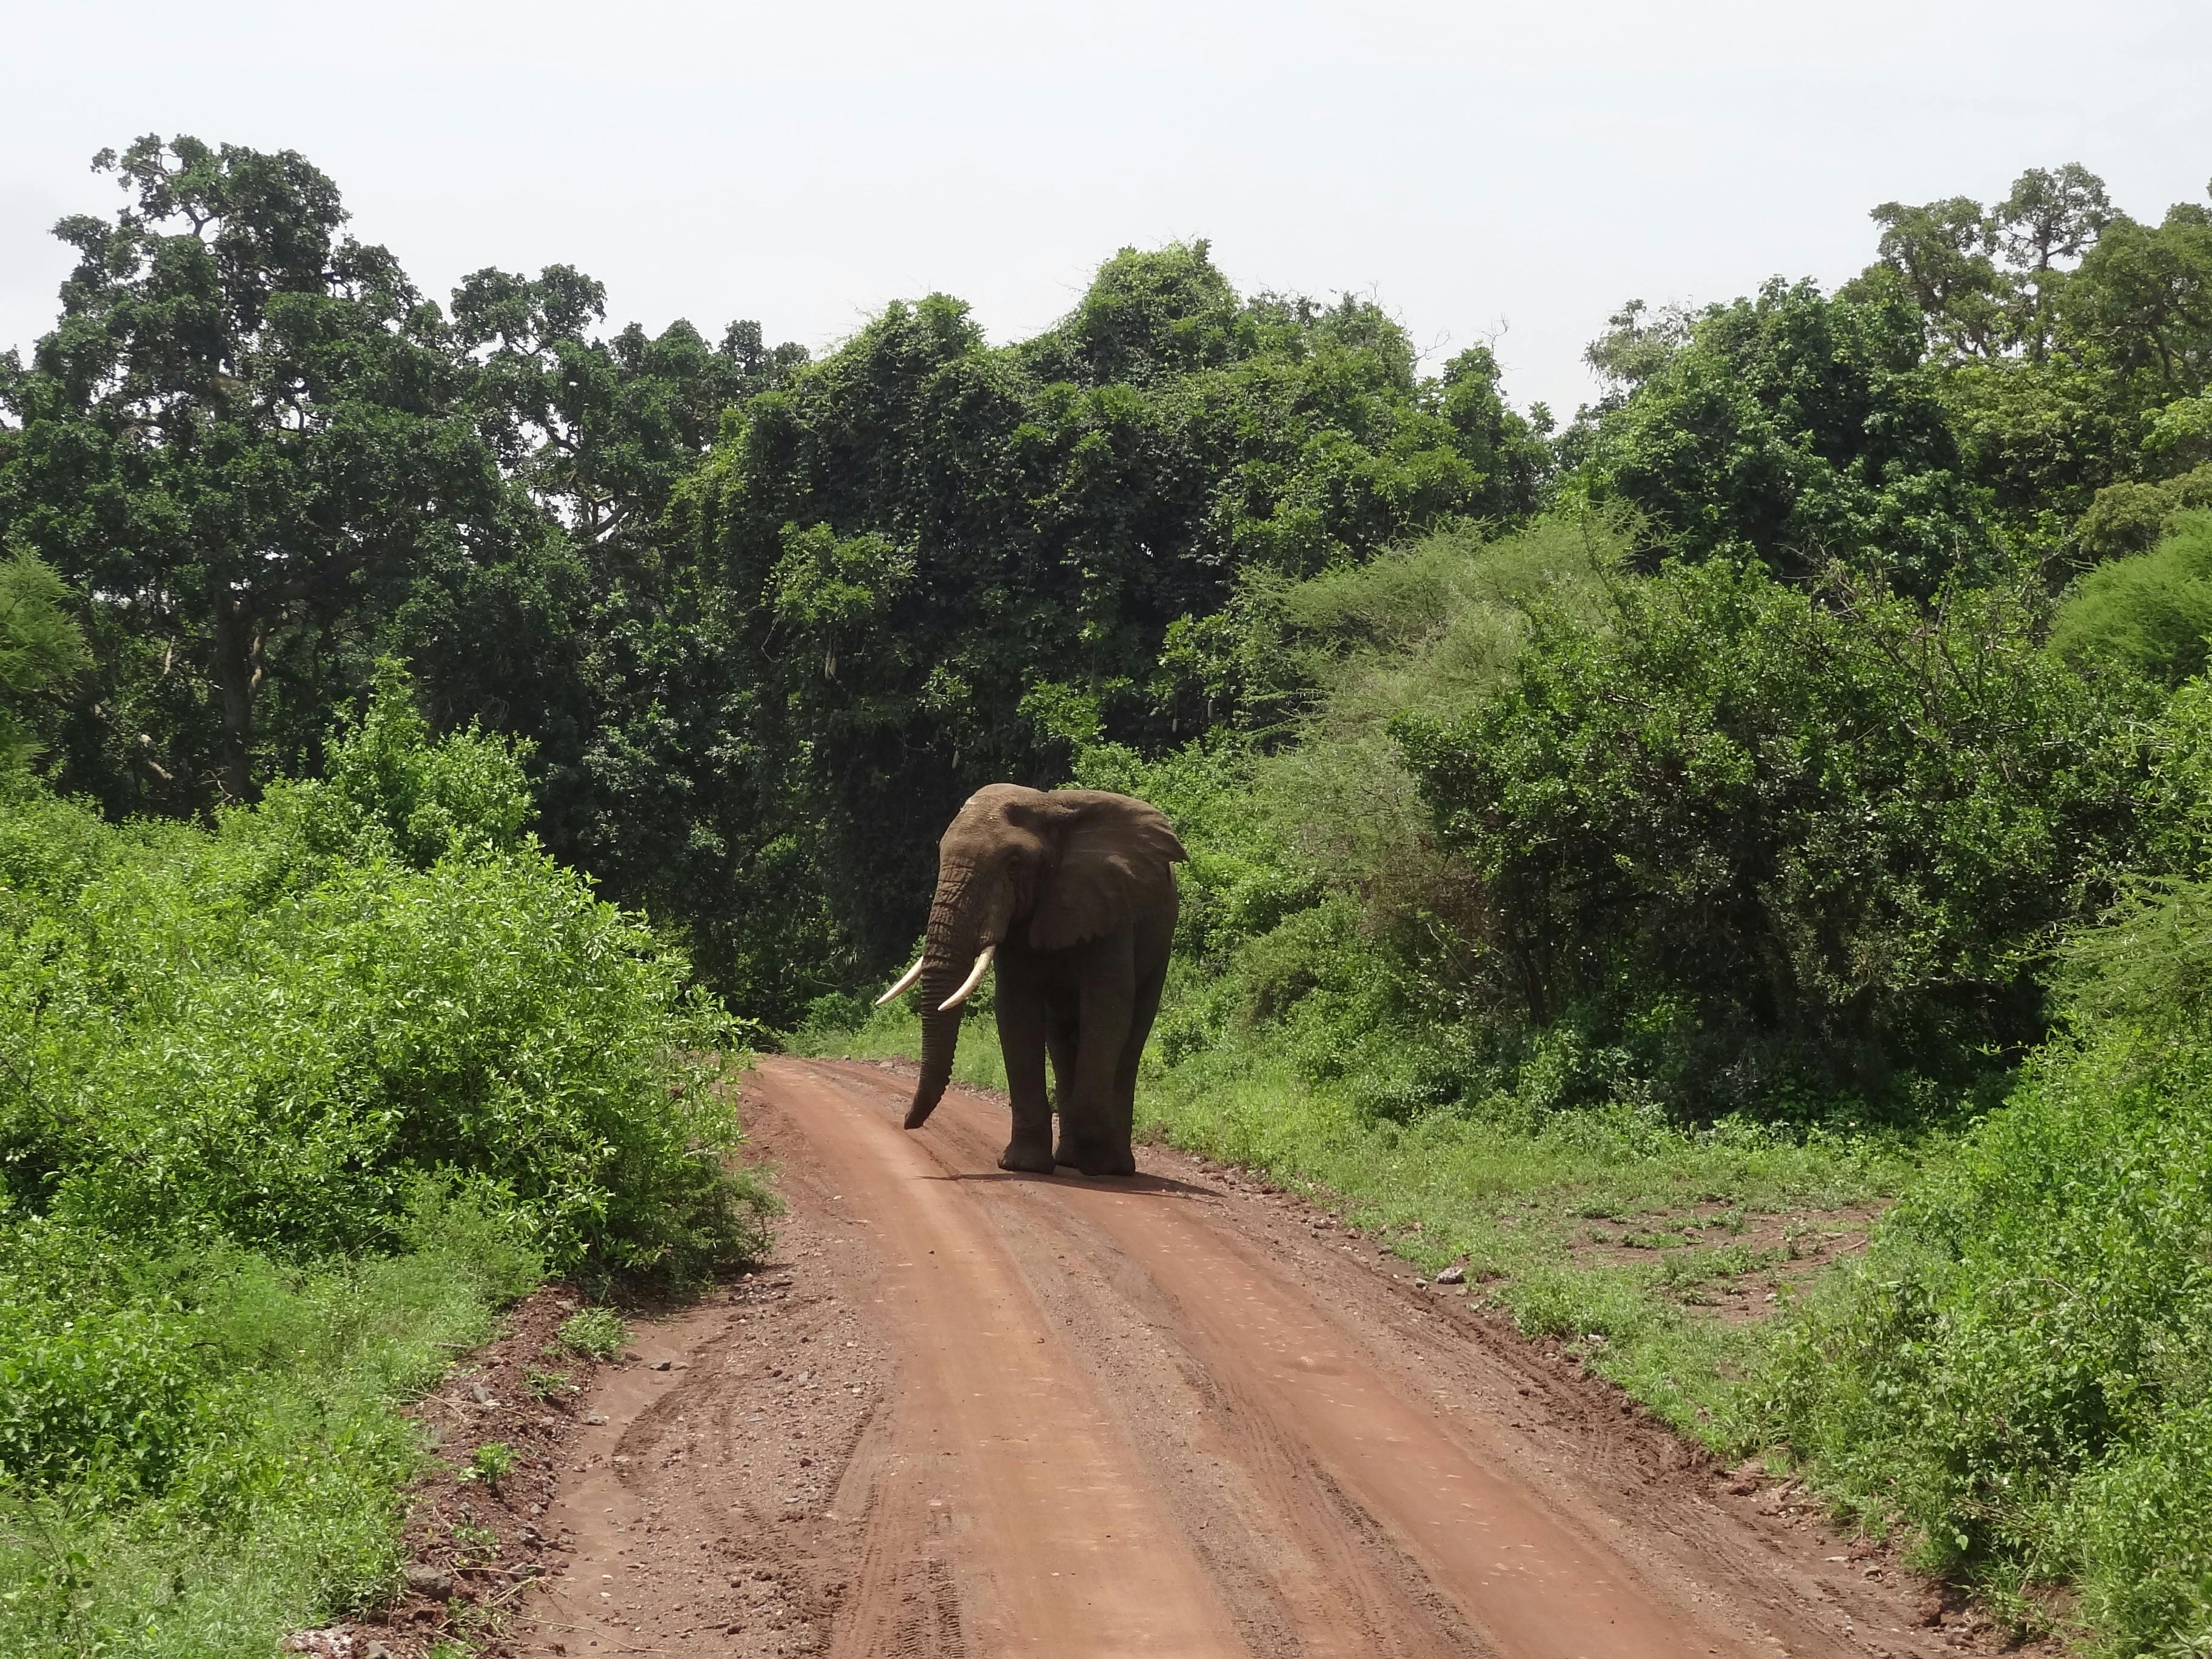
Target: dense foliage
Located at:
point(1797, 426)
point(1782, 842)
point(2024, 379)
point(288, 1107)
point(920, 564)
point(2020, 1371)
point(344, 1020)
point(926, 563)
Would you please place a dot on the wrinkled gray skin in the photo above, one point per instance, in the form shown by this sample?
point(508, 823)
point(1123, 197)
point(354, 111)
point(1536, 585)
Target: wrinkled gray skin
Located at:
point(1076, 889)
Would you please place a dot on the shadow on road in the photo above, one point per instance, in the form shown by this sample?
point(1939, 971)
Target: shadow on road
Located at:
point(1161, 1185)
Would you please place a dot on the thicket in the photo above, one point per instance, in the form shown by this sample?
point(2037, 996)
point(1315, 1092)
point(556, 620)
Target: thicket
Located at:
point(2019, 1372)
point(289, 1104)
point(765, 622)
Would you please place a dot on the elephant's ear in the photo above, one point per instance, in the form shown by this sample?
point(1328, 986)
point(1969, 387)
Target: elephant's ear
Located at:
point(1115, 857)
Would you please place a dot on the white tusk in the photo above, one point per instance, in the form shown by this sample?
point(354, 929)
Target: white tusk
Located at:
point(905, 982)
point(974, 978)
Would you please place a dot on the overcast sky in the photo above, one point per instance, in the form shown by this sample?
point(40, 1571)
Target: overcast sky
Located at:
point(1509, 172)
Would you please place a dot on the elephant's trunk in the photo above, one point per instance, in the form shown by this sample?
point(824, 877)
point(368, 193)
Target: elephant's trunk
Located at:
point(954, 939)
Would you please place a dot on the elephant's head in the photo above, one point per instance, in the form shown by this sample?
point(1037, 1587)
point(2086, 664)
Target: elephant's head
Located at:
point(1051, 868)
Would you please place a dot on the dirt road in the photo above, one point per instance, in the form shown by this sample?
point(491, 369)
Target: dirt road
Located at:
point(971, 1413)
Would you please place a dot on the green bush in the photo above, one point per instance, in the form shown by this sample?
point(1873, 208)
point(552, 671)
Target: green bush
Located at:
point(596, 1332)
point(1770, 843)
point(2129, 518)
point(2018, 1370)
point(2148, 614)
point(92, 1395)
point(228, 1466)
point(333, 1030)
point(41, 647)
point(289, 1107)
point(389, 792)
point(491, 1463)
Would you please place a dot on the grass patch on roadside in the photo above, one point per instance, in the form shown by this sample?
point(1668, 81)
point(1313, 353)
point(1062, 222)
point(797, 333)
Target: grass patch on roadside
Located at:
point(1606, 1227)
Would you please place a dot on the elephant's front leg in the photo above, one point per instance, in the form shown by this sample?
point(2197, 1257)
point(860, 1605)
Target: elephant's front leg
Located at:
point(1021, 1014)
point(1091, 1137)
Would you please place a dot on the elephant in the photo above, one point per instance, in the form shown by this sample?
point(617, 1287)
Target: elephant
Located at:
point(1073, 893)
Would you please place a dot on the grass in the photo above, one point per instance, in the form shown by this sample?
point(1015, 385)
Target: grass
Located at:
point(596, 1333)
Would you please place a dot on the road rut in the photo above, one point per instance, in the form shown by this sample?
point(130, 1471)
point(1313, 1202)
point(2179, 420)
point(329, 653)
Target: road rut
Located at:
point(971, 1413)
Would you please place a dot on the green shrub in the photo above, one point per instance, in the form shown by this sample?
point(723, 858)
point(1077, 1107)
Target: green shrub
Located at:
point(41, 648)
point(2147, 615)
point(1800, 844)
point(2017, 1371)
point(236, 1476)
point(491, 1463)
point(388, 791)
point(2129, 518)
point(1318, 903)
point(288, 1108)
point(100, 1397)
point(339, 1029)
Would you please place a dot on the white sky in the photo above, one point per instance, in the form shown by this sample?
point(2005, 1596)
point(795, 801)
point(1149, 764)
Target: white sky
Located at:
point(1484, 170)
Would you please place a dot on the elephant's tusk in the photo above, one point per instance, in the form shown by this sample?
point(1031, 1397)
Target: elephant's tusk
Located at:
point(905, 981)
point(974, 978)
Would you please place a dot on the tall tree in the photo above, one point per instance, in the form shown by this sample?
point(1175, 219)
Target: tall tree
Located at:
point(238, 439)
point(2052, 215)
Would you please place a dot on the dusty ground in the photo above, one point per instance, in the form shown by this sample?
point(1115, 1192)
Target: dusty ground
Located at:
point(970, 1412)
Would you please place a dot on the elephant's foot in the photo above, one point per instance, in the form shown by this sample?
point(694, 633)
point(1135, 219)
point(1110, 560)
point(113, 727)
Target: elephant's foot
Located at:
point(1097, 1160)
point(1032, 1158)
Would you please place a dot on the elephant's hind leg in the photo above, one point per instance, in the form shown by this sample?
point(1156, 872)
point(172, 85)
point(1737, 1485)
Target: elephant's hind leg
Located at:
point(1145, 1007)
point(1059, 1032)
point(1092, 1138)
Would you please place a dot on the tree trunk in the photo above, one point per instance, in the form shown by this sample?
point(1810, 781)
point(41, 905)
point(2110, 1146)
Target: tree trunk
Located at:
point(237, 668)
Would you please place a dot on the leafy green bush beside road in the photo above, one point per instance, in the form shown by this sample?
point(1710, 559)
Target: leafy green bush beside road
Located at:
point(1775, 842)
point(243, 1035)
point(2020, 1370)
point(289, 1107)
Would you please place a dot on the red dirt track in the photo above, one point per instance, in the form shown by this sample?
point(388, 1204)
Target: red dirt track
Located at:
point(970, 1412)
